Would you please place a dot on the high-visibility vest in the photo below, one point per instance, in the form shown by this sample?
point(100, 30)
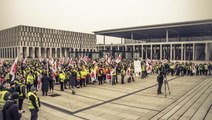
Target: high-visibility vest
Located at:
point(172, 66)
point(114, 72)
point(7, 77)
point(62, 77)
point(30, 105)
point(143, 68)
point(2, 100)
point(123, 72)
point(206, 67)
point(30, 79)
point(78, 76)
point(21, 91)
point(83, 74)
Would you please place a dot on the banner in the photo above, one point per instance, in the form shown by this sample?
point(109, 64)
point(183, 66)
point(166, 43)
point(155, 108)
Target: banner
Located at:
point(137, 66)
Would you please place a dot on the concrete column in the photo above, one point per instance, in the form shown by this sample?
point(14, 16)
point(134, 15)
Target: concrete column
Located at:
point(121, 41)
point(56, 52)
point(20, 52)
point(104, 39)
point(151, 52)
point(167, 36)
point(11, 52)
point(194, 52)
point(15, 51)
point(8, 50)
point(39, 51)
point(133, 53)
point(50, 52)
point(185, 48)
point(146, 52)
point(206, 51)
point(27, 52)
point(161, 51)
point(61, 55)
point(5, 53)
point(33, 52)
point(142, 50)
point(104, 48)
point(174, 52)
point(171, 52)
point(181, 51)
point(132, 36)
point(2, 53)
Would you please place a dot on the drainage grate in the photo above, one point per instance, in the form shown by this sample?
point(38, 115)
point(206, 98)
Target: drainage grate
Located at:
point(54, 95)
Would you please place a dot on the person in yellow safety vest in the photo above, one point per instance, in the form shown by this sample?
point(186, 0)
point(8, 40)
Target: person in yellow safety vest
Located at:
point(22, 94)
point(87, 76)
point(4, 94)
point(100, 76)
point(206, 69)
point(7, 77)
point(82, 79)
point(143, 74)
point(172, 67)
point(78, 78)
point(29, 81)
point(33, 103)
point(62, 77)
point(123, 73)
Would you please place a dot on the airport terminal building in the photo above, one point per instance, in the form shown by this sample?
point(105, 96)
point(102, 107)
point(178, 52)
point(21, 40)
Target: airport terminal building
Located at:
point(34, 42)
point(175, 41)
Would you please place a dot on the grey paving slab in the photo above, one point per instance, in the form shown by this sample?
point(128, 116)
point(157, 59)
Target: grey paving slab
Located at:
point(137, 100)
point(202, 111)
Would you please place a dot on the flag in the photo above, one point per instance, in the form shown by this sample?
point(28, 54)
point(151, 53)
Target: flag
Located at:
point(109, 60)
point(70, 61)
point(40, 59)
point(118, 59)
point(13, 69)
point(1, 62)
point(61, 61)
point(93, 75)
point(85, 59)
point(24, 61)
point(51, 61)
point(149, 69)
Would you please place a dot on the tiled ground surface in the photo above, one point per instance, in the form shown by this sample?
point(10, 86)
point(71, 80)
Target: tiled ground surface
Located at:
point(190, 98)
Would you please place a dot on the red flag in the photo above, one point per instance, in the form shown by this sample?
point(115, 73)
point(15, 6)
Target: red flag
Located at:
point(118, 59)
point(1, 62)
point(24, 61)
point(14, 69)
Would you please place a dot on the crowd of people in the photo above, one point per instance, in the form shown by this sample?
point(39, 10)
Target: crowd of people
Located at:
point(32, 75)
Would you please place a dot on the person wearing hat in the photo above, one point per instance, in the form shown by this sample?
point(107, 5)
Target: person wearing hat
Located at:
point(10, 110)
point(33, 103)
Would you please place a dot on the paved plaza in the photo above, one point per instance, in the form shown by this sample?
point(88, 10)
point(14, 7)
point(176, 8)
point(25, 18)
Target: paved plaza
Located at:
point(190, 98)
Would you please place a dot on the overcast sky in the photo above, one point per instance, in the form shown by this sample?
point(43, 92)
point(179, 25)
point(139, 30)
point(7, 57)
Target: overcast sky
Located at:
point(93, 15)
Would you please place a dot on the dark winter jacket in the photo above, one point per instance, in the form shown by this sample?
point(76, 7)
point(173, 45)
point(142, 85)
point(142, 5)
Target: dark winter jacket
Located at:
point(10, 111)
point(45, 83)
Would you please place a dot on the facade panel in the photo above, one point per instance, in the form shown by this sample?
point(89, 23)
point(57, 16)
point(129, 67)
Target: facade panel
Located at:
point(24, 37)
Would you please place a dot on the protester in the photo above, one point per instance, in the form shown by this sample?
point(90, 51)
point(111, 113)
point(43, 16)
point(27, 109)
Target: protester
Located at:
point(10, 109)
point(33, 103)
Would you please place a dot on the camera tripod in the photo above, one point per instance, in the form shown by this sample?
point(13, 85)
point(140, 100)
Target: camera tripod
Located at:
point(166, 84)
